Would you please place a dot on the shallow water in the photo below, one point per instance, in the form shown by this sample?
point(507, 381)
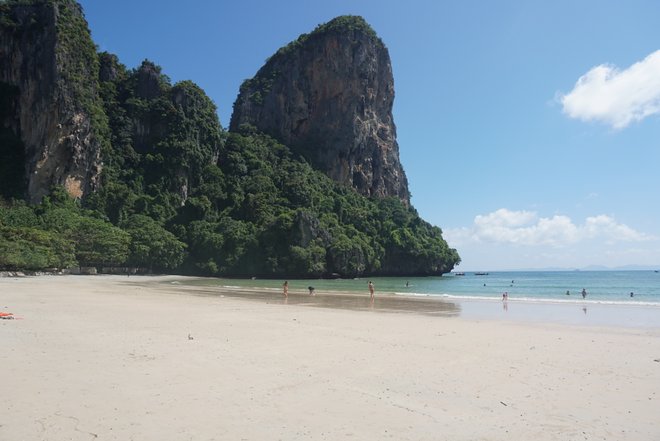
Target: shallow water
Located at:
point(533, 296)
point(612, 287)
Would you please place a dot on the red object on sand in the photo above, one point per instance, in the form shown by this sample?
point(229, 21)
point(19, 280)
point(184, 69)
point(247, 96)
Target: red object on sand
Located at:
point(5, 314)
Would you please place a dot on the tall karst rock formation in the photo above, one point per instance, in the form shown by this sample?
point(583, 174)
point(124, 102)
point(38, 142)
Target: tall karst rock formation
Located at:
point(51, 118)
point(329, 95)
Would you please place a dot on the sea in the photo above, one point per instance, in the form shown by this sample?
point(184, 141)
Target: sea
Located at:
point(603, 287)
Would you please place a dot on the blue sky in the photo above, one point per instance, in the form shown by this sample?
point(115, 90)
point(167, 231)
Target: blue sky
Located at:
point(529, 130)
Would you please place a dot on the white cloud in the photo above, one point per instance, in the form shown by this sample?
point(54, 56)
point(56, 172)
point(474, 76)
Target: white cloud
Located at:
point(616, 97)
point(607, 228)
point(527, 228)
point(522, 227)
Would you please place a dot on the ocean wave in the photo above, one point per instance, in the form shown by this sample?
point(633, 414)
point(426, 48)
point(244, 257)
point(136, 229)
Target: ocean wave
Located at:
point(415, 294)
point(249, 288)
point(536, 300)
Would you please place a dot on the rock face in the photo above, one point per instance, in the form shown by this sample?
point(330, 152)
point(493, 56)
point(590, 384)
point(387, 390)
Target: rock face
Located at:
point(48, 60)
point(329, 97)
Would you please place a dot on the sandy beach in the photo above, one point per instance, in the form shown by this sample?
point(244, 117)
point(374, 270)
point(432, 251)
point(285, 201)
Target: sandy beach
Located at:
point(150, 358)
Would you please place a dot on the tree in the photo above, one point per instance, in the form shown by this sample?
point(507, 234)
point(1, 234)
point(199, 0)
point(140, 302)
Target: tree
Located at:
point(34, 249)
point(99, 243)
point(151, 245)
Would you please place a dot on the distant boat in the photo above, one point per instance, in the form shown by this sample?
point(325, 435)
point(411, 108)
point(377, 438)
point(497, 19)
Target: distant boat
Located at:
point(480, 274)
point(462, 274)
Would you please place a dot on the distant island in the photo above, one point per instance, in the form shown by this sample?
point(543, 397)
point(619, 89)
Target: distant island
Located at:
point(118, 169)
point(586, 268)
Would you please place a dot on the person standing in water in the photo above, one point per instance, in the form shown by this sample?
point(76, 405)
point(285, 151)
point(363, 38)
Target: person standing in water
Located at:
point(285, 288)
point(584, 293)
point(371, 290)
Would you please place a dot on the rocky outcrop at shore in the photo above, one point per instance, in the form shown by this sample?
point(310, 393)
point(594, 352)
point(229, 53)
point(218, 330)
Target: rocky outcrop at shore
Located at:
point(161, 186)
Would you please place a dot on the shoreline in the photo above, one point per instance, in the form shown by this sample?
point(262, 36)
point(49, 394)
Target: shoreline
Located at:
point(527, 310)
point(272, 284)
point(119, 358)
point(578, 312)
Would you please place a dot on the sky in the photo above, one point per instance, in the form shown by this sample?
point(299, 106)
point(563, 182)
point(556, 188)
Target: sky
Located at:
point(529, 130)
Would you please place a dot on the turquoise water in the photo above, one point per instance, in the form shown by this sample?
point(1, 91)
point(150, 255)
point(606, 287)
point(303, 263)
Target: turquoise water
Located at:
point(613, 287)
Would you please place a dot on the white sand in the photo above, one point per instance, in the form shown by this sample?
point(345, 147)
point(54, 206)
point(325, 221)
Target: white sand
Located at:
point(104, 358)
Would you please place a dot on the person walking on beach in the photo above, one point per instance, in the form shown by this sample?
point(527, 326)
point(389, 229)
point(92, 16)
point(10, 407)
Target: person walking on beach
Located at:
point(505, 296)
point(371, 290)
point(584, 293)
point(285, 288)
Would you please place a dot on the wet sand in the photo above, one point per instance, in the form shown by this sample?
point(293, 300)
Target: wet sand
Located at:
point(384, 302)
point(118, 358)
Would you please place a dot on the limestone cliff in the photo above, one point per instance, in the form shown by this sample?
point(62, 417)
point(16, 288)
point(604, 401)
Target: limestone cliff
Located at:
point(171, 132)
point(329, 96)
point(48, 62)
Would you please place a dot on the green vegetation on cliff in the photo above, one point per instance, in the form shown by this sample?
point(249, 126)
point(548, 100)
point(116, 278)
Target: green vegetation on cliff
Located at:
point(341, 24)
point(79, 65)
point(179, 194)
point(162, 136)
point(48, 56)
point(263, 212)
point(263, 80)
point(75, 52)
point(259, 212)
